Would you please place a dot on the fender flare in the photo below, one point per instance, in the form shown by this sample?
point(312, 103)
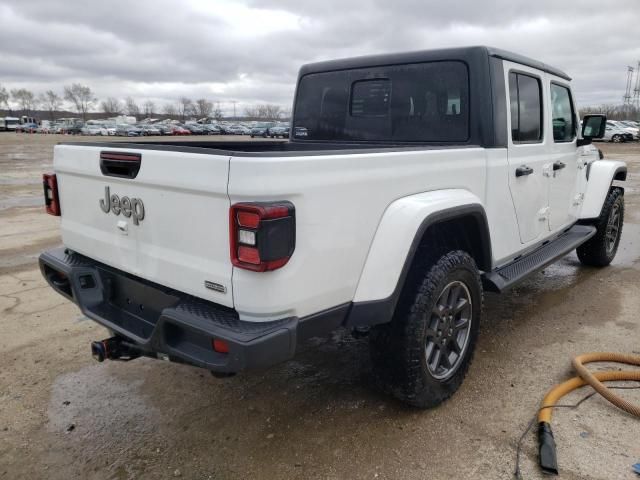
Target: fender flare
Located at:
point(385, 270)
point(600, 177)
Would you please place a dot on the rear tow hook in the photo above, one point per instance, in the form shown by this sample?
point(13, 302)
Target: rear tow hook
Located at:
point(114, 348)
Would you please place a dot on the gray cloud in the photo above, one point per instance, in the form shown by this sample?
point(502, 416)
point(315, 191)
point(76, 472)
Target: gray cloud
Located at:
point(250, 51)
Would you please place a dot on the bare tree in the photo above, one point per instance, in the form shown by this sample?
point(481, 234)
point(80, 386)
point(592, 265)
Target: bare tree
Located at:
point(251, 112)
point(614, 112)
point(169, 109)
point(217, 112)
point(131, 107)
point(25, 99)
point(185, 107)
point(4, 98)
point(203, 107)
point(272, 112)
point(81, 96)
point(111, 106)
point(52, 102)
point(264, 112)
point(148, 107)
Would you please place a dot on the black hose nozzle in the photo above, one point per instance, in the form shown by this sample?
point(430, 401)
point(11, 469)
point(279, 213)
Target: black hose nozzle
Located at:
point(547, 451)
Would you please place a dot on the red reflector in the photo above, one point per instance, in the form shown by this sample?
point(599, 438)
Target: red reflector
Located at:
point(220, 346)
point(249, 255)
point(248, 219)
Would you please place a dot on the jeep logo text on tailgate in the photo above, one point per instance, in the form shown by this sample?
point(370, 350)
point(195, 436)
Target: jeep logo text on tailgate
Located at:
point(129, 207)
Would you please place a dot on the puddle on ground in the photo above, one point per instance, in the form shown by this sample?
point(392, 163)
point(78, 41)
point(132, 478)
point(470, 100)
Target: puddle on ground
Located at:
point(629, 249)
point(93, 402)
point(568, 271)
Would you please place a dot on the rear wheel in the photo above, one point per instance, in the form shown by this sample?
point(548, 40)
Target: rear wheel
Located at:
point(600, 249)
point(616, 138)
point(423, 354)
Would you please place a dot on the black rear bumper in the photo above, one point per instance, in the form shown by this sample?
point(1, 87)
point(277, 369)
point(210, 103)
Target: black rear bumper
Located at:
point(173, 325)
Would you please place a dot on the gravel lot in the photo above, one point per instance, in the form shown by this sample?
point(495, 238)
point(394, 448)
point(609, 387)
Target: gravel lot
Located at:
point(64, 416)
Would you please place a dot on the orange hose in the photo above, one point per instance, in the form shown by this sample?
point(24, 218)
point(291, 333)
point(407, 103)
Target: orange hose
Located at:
point(595, 380)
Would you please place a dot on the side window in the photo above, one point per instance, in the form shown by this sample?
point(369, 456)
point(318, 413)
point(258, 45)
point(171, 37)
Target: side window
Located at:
point(564, 128)
point(525, 96)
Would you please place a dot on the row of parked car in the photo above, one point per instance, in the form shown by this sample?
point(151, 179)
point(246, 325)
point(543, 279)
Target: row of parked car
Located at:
point(618, 131)
point(273, 130)
point(265, 130)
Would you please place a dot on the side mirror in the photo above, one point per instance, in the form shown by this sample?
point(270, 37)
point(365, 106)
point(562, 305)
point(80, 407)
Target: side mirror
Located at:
point(593, 126)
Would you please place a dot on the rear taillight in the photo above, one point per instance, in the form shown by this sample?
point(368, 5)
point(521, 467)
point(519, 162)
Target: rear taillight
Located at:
point(262, 235)
point(51, 200)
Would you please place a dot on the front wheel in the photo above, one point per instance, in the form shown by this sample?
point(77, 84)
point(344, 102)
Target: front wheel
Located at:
point(422, 356)
point(600, 249)
point(616, 139)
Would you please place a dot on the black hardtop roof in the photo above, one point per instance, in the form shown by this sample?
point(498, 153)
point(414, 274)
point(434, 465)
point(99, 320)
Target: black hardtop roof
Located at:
point(460, 53)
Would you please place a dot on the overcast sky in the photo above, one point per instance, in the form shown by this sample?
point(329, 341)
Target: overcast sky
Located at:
point(250, 51)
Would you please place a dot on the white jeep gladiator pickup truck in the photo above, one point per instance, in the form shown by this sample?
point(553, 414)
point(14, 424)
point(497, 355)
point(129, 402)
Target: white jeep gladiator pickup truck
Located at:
point(410, 184)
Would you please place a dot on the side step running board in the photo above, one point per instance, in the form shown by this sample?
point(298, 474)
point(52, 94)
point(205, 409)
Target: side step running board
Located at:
point(509, 275)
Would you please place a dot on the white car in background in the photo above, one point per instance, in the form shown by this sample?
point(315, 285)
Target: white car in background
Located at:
point(108, 130)
point(629, 126)
point(91, 130)
point(615, 133)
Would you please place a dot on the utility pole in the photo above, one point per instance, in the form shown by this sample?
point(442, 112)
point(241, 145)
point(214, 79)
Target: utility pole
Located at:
point(234, 108)
point(627, 93)
point(636, 89)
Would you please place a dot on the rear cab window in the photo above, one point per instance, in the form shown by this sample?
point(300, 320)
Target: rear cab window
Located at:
point(525, 98)
point(421, 102)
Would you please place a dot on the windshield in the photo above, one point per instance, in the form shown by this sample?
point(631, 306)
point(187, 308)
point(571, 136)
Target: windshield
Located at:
point(426, 102)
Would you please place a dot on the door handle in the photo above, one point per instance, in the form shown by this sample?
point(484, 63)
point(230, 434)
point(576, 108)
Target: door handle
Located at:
point(523, 170)
point(558, 166)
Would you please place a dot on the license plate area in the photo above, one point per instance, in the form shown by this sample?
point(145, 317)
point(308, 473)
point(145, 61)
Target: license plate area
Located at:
point(131, 304)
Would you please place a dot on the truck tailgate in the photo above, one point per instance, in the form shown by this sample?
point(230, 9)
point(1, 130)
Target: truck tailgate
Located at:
point(177, 229)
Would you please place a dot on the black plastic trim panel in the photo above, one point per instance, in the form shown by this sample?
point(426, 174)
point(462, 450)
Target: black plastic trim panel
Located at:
point(159, 320)
point(620, 174)
point(426, 56)
point(513, 273)
point(272, 148)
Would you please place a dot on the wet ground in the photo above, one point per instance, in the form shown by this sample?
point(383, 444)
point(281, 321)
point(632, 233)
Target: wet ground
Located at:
point(64, 416)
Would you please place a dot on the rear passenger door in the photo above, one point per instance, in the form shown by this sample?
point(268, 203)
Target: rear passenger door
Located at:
point(564, 157)
point(528, 162)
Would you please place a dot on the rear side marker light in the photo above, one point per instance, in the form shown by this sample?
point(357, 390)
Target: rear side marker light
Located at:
point(262, 235)
point(220, 346)
point(51, 198)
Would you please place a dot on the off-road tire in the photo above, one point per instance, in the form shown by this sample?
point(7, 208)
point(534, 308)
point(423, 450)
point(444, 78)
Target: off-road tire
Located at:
point(596, 251)
point(399, 348)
